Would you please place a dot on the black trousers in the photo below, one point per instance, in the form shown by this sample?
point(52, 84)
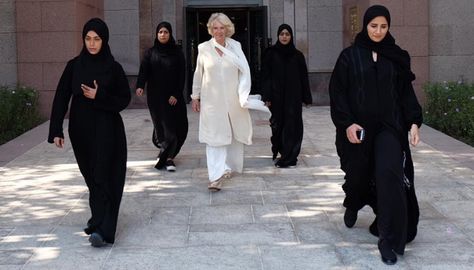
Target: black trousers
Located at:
point(391, 190)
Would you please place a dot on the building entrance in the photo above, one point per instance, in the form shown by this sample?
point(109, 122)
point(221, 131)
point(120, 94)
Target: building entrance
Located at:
point(250, 30)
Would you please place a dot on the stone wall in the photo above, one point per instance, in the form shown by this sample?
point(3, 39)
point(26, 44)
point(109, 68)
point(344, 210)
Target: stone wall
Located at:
point(38, 37)
point(48, 35)
point(122, 17)
point(410, 28)
point(153, 12)
point(451, 40)
point(8, 57)
point(325, 34)
point(318, 30)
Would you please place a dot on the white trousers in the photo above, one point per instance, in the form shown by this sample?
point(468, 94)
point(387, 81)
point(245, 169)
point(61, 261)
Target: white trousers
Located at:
point(224, 158)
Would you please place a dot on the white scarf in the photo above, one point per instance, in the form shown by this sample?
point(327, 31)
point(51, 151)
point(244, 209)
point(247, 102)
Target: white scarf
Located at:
point(237, 58)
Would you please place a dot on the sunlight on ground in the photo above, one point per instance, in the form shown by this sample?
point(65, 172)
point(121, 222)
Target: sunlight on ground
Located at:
point(45, 254)
point(305, 213)
point(140, 163)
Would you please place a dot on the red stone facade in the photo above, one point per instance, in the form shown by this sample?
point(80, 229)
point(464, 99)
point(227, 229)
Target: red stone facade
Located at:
point(48, 35)
point(409, 26)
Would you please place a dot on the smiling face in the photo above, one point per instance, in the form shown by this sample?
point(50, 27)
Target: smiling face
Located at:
point(93, 42)
point(284, 37)
point(163, 35)
point(377, 28)
point(218, 31)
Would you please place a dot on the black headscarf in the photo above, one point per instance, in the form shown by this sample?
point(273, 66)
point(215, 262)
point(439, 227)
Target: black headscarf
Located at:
point(90, 67)
point(387, 46)
point(168, 47)
point(289, 48)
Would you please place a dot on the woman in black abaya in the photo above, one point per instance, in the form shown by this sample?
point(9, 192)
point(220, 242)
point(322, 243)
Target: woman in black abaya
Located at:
point(99, 91)
point(371, 89)
point(285, 89)
point(163, 69)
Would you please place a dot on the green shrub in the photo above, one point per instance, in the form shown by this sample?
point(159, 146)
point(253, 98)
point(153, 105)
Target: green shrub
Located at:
point(449, 108)
point(18, 111)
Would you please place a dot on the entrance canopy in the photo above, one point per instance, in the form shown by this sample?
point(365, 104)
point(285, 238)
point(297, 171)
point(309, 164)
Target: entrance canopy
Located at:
point(222, 2)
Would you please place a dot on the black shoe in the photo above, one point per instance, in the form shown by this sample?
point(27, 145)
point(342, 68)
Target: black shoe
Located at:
point(279, 164)
point(373, 229)
point(388, 256)
point(89, 230)
point(96, 240)
point(350, 218)
point(170, 165)
point(160, 165)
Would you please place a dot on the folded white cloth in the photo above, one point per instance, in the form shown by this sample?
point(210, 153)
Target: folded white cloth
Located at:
point(254, 102)
point(236, 57)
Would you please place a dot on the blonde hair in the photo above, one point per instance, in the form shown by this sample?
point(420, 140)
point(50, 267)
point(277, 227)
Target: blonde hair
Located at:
point(222, 18)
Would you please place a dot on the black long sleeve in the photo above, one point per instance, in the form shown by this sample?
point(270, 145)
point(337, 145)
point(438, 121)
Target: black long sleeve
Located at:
point(306, 91)
point(143, 73)
point(338, 86)
point(178, 91)
point(61, 103)
point(118, 97)
point(266, 76)
point(411, 109)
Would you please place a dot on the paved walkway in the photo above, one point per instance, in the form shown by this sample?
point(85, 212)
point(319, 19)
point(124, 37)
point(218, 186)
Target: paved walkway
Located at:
point(267, 218)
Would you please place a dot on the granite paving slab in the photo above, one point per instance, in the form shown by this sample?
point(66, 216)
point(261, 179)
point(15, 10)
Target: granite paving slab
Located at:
point(265, 218)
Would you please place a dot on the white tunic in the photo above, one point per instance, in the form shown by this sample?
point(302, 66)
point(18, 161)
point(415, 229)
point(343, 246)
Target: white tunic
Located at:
point(217, 82)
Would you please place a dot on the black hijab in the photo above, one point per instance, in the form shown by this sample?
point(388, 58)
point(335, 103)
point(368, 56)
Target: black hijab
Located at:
point(90, 67)
point(387, 46)
point(168, 47)
point(288, 49)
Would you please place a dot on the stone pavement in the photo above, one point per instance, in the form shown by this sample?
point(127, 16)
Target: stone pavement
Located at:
point(267, 218)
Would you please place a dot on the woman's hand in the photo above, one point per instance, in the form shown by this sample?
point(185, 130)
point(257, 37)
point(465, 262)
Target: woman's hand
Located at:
point(139, 92)
point(351, 133)
point(196, 104)
point(414, 135)
point(59, 142)
point(89, 92)
point(172, 101)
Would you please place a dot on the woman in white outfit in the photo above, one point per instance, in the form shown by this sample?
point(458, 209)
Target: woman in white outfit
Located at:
point(221, 88)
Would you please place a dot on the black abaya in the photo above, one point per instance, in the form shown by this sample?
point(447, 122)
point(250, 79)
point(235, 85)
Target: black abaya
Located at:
point(373, 95)
point(285, 84)
point(96, 129)
point(163, 69)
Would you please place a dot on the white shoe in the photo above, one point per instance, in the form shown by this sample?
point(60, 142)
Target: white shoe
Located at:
point(227, 174)
point(215, 185)
point(170, 166)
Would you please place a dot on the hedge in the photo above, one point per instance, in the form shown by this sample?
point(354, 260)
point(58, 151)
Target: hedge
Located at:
point(18, 111)
point(449, 108)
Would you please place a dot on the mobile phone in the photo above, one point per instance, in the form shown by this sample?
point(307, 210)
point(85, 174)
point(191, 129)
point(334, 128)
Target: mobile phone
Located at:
point(360, 134)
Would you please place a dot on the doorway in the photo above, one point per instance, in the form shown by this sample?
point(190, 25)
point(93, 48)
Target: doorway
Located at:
point(250, 30)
